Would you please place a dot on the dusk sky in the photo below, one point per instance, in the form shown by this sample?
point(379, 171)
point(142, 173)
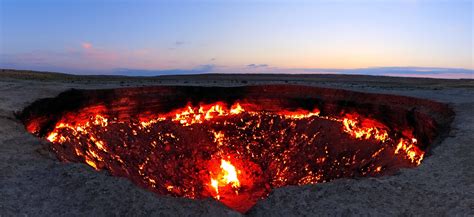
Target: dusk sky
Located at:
point(137, 37)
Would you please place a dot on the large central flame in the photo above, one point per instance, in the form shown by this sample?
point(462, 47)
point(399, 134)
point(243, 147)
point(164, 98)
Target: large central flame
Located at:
point(227, 176)
point(236, 153)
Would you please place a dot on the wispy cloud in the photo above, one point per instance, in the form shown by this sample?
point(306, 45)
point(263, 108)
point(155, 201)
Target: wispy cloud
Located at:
point(88, 58)
point(431, 72)
point(426, 72)
point(254, 66)
point(83, 58)
point(178, 43)
point(147, 72)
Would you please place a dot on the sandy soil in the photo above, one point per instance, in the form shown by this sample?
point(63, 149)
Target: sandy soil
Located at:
point(34, 183)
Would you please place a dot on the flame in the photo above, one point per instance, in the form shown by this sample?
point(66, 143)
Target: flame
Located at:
point(52, 136)
point(227, 175)
point(299, 114)
point(236, 109)
point(215, 185)
point(410, 149)
point(230, 174)
point(100, 120)
point(91, 163)
point(90, 144)
point(364, 130)
point(353, 124)
point(192, 115)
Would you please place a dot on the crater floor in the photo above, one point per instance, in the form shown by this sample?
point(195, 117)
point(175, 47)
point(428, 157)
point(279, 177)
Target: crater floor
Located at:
point(34, 182)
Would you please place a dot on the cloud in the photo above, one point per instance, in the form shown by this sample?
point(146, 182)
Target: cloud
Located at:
point(257, 65)
point(434, 75)
point(86, 45)
point(144, 62)
point(81, 59)
point(403, 71)
point(409, 70)
point(176, 45)
point(147, 72)
point(427, 72)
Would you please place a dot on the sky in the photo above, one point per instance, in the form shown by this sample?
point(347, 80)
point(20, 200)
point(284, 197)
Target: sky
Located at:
point(432, 38)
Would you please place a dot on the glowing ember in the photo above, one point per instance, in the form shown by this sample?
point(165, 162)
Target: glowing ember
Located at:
point(236, 153)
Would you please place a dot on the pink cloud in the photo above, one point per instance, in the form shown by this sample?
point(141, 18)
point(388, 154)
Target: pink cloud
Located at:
point(86, 45)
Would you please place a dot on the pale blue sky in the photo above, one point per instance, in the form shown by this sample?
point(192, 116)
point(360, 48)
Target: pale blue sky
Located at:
point(106, 36)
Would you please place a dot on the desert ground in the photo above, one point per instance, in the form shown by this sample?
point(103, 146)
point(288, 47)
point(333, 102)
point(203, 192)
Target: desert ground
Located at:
point(34, 183)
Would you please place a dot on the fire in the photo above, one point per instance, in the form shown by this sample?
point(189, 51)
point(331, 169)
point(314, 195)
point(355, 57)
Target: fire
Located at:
point(91, 163)
point(192, 115)
point(52, 136)
point(236, 109)
point(180, 152)
point(364, 130)
point(411, 150)
point(215, 185)
point(300, 114)
point(230, 174)
point(227, 175)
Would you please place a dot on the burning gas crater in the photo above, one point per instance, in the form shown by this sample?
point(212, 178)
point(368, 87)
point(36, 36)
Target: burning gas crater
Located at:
point(234, 152)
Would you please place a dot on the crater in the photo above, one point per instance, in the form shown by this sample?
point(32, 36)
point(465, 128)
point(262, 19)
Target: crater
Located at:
point(236, 144)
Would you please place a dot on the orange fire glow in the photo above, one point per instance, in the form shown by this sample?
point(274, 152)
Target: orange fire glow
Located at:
point(231, 178)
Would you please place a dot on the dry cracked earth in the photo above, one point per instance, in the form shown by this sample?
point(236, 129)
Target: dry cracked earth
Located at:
point(34, 183)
